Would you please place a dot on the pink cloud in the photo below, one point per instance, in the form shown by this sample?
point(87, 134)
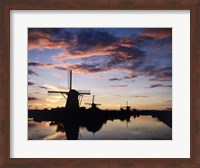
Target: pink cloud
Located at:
point(159, 85)
point(62, 56)
point(118, 86)
point(57, 75)
point(63, 67)
point(40, 40)
point(157, 33)
point(40, 65)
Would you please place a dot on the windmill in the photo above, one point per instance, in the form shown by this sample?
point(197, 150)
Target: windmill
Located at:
point(127, 107)
point(71, 96)
point(93, 105)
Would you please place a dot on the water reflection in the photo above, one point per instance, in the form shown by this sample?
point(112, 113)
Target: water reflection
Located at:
point(102, 126)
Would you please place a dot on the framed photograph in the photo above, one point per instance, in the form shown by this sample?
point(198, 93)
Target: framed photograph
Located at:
point(115, 64)
point(100, 84)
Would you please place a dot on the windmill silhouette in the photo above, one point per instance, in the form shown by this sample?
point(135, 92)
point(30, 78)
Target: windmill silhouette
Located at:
point(71, 96)
point(93, 105)
point(127, 107)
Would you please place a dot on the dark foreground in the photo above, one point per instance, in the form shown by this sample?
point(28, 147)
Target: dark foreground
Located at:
point(92, 119)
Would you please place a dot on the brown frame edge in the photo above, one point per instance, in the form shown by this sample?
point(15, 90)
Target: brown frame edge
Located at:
point(7, 5)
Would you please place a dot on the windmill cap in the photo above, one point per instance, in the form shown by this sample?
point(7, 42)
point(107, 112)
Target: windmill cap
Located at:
point(73, 92)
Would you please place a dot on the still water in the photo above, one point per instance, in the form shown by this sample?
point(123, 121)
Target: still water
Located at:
point(139, 128)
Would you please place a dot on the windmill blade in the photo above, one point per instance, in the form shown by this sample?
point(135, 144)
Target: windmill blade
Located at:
point(61, 92)
point(70, 79)
point(93, 99)
point(97, 104)
point(80, 99)
point(86, 92)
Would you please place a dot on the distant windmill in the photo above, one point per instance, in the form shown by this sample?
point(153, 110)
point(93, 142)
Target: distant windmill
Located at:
point(93, 105)
point(72, 103)
point(127, 107)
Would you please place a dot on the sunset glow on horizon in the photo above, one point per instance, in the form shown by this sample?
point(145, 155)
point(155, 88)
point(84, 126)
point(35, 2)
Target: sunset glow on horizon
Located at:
point(116, 64)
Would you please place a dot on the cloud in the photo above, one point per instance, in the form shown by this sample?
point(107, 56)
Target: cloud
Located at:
point(40, 65)
point(90, 68)
point(115, 79)
point(61, 67)
point(53, 38)
point(118, 86)
point(88, 43)
point(131, 76)
point(128, 54)
point(155, 72)
point(54, 88)
point(128, 42)
point(100, 51)
point(132, 61)
point(57, 38)
point(161, 74)
point(57, 75)
point(157, 33)
point(119, 58)
point(140, 96)
point(90, 38)
point(30, 83)
point(61, 57)
point(43, 87)
point(32, 98)
point(160, 85)
point(30, 72)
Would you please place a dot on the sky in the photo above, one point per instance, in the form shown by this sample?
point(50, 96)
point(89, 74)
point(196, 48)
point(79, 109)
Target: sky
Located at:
point(116, 64)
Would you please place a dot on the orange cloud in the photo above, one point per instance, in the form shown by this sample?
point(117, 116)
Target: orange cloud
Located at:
point(62, 56)
point(157, 33)
point(40, 40)
point(57, 75)
point(40, 65)
point(55, 88)
point(119, 86)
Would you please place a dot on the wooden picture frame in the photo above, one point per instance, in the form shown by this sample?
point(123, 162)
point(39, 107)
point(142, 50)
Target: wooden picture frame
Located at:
point(7, 5)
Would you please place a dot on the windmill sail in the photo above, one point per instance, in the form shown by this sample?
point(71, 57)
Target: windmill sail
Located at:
point(71, 96)
point(62, 92)
point(93, 104)
point(70, 80)
point(86, 92)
